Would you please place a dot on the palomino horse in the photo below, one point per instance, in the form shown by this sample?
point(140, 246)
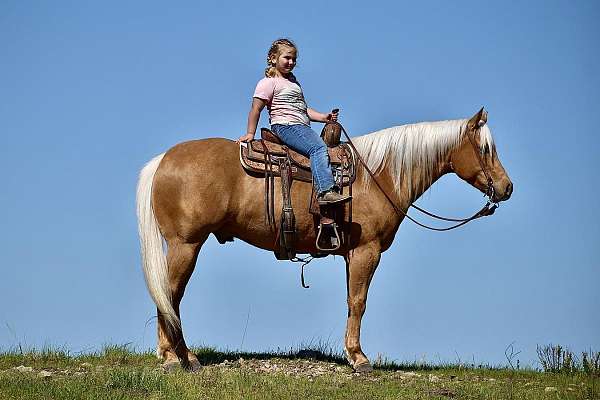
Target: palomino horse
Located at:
point(199, 187)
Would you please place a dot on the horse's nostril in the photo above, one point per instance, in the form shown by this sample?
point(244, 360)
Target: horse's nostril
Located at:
point(509, 189)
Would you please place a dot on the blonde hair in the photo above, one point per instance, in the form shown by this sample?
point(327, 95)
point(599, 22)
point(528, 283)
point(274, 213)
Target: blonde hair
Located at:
point(274, 52)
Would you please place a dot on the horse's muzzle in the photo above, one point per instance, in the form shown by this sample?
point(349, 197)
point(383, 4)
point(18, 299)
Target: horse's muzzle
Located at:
point(507, 192)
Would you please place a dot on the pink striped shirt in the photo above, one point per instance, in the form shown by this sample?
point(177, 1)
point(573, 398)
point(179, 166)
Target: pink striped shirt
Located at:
point(285, 101)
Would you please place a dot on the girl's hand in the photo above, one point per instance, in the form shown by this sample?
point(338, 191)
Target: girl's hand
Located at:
point(333, 115)
point(246, 138)
point(320, 117)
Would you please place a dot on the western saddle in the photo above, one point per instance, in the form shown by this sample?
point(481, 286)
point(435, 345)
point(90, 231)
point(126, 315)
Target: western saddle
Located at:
point(269, 157)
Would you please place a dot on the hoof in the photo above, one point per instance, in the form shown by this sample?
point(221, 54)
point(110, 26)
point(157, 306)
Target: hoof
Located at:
point(193, 366)
point(171, 366)
point(364, 368)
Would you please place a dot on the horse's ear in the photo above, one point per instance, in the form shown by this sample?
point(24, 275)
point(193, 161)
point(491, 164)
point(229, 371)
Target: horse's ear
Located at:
point(478, 120)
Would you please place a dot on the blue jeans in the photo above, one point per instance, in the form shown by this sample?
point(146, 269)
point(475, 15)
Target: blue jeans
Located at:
point(307, 142)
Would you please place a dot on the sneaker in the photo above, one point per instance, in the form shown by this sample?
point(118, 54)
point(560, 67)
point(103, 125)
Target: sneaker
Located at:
point(332, 197)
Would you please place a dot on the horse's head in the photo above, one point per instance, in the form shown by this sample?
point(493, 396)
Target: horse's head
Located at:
point(475, 160)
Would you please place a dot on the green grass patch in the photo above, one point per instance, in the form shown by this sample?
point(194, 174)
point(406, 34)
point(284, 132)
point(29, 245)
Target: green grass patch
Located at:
point(119, 372)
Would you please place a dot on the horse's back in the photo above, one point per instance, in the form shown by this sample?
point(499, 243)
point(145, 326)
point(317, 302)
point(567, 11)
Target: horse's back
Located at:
point(201, 153)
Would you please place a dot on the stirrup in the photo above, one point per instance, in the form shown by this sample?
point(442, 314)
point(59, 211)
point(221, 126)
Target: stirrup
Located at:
point(335, 241)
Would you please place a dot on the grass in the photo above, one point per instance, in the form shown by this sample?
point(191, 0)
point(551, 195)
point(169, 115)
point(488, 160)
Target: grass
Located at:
point(118, 372)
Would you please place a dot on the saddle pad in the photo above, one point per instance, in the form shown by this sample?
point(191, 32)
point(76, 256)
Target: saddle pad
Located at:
point(252, 158)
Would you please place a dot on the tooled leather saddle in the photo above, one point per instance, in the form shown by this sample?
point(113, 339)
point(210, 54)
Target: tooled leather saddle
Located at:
point(270, 157)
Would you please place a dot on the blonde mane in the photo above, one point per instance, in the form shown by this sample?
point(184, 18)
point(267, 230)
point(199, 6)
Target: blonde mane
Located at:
point(413, 151)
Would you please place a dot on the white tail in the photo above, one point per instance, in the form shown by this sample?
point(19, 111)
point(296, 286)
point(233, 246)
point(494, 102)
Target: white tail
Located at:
point(154, 261)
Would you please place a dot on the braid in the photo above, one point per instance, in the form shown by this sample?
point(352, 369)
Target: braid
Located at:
point(274, 52)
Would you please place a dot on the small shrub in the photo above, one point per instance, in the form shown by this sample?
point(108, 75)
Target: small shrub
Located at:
point(590, 362)
point(555, 358)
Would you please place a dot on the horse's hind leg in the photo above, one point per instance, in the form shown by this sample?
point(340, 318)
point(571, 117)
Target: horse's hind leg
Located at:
point(181, 260)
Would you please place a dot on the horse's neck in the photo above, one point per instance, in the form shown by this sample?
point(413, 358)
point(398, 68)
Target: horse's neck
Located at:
point(440, 169)
point(411, 189)
point(411, 158)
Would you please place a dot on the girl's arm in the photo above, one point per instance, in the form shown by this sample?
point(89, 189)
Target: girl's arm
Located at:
point(320, 117)
point(253, 116)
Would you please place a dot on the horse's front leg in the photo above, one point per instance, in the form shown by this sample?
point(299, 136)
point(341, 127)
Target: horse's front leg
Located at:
point(360, 267)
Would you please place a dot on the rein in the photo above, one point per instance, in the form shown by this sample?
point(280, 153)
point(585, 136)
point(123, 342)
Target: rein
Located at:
point(487, 209)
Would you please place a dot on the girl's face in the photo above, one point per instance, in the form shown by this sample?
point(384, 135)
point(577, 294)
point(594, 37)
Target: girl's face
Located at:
point(286, 61)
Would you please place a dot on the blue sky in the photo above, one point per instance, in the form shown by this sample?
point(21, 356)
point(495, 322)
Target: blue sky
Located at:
point(91, 91)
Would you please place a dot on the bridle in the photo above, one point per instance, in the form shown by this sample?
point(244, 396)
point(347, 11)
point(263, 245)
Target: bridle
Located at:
point(486, 210)
point(490, 192)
